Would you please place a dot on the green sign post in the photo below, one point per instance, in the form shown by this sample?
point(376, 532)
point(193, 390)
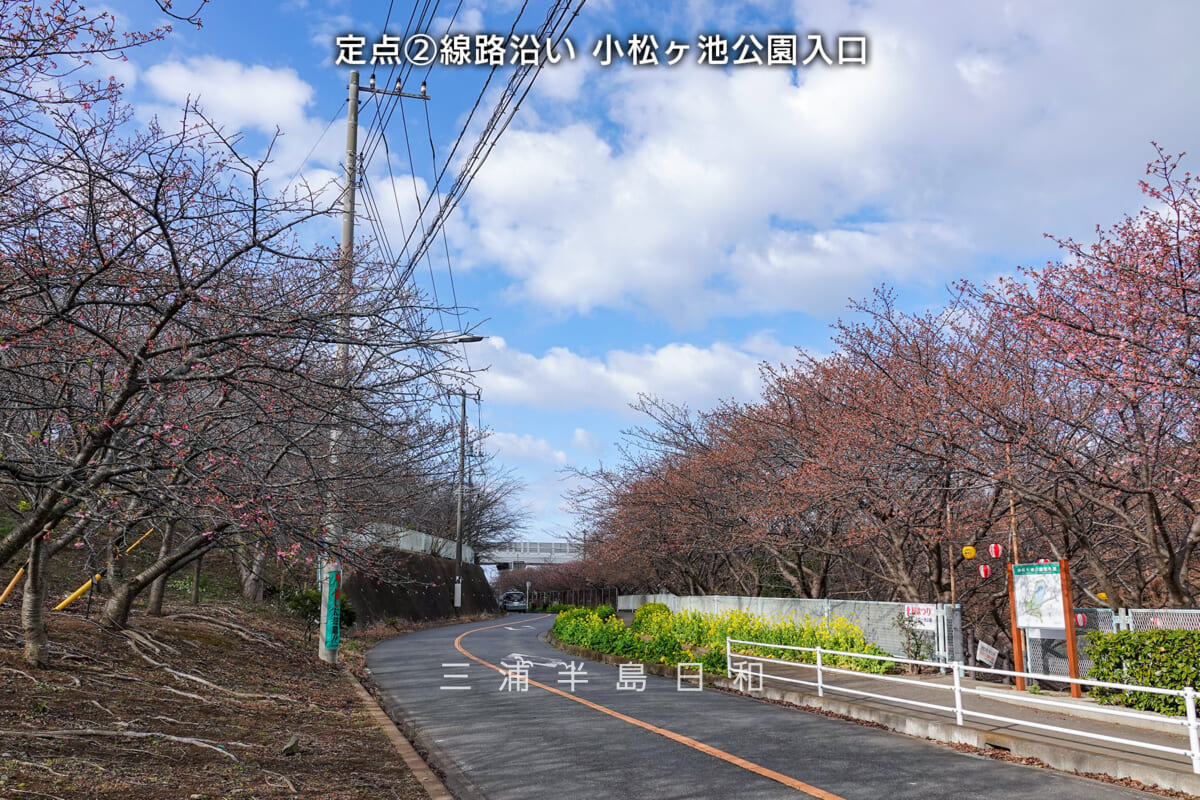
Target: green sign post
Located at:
point(333, 615)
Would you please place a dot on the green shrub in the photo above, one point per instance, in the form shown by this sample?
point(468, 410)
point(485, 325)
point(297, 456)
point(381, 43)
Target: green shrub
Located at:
point(649, 616)
point(714, 661)
point(605, 611)
point(665, 649)
point(1164, 659)
point(668, 637)
point(306, 604)
point(710, 631)
point(583, 627)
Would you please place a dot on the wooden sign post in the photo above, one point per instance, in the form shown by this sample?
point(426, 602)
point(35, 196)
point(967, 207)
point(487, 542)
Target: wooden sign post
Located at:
point(1018, 637)
point(1069, 613)
point(1040, 597)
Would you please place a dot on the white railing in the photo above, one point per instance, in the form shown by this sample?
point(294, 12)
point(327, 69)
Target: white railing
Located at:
point(958, 690)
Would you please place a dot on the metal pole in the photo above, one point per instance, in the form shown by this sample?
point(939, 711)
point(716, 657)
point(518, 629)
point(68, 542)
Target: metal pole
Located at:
point(1189, 699)
point(346, 284)
point(958, 705)
point(462, 468)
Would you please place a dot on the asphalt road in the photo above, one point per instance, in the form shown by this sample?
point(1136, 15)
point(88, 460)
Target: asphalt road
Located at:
point(594, 740)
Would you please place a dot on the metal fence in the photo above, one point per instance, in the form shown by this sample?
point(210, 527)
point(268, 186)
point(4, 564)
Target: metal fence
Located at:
point(737, 666)
point(1048, 653)
point(938, 634)
point(398, 538)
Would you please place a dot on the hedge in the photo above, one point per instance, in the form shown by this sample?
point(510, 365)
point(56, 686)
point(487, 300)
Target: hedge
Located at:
point(1164, 659)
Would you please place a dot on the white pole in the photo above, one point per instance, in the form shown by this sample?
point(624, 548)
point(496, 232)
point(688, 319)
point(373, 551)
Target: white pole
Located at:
point(958, 704)
point(1189, 699)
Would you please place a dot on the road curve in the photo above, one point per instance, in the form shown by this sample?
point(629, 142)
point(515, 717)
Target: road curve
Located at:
point(593, 740)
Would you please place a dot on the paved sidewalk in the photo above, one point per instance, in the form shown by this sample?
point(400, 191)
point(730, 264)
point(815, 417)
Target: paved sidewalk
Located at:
point(1022, 738)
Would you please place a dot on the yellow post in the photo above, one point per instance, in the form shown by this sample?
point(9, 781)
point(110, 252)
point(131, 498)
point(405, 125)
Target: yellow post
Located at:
point(12, 585)
point(82, 590)
point(78, 593)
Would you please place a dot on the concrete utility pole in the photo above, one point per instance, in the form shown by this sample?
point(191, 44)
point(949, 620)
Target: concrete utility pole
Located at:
point(329, 633)
point(462, 468)
point(328, 644)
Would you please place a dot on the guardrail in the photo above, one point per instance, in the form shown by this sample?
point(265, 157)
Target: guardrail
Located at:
point(958, 690)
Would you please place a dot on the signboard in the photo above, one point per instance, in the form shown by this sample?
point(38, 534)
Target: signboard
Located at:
point(333, 611)
point(986, 654)
point(920, 615)
point(1037, 595)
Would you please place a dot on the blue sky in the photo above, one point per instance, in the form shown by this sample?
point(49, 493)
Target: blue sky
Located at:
point(666, 229)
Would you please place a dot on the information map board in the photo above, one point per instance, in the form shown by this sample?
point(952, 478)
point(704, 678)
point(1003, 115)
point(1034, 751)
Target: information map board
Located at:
point(1038, 594)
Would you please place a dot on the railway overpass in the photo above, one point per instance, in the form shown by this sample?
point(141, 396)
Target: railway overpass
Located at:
point(518, 555)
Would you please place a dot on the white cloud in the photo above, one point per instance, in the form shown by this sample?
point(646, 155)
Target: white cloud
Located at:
point(468, 20)
point(583, 441)
point(677, 372)
point(967, 136)
point(253, 98)
point(523, 447)
point(244, 96)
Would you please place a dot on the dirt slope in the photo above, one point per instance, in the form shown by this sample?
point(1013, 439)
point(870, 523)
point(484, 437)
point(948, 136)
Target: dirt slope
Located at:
point(186, 706)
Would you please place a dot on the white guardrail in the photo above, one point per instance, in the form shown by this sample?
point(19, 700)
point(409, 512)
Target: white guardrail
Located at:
point(958, 669)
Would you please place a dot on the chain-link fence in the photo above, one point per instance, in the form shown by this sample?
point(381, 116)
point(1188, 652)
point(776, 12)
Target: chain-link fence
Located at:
point(1046, 650)
point(1048, 654)
point(1148, 619)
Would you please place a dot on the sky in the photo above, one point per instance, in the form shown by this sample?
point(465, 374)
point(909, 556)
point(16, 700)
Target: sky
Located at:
point(666, 229)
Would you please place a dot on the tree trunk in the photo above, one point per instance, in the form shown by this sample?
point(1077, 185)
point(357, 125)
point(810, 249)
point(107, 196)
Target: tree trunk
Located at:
point(33, 611)
point(196, 582)
point(113, 571)
point(116, 608)
point(159, 587)
point(251, 567)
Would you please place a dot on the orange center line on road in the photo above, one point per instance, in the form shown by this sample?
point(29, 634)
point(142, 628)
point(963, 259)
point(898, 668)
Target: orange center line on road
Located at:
point(800, 786)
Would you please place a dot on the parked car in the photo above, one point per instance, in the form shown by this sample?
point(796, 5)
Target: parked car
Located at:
point(513, 601)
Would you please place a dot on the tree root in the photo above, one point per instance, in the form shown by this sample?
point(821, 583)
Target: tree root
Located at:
point(39, 794)
point(61, 734)
point(243, 633)
point(42, 766)
point(283, 778)
point(96, 703)
point(209, 684)
point(19, 672)
point(186, 694)
point(148, 641)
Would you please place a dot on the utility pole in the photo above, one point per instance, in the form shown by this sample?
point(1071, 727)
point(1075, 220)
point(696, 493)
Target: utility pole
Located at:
point(462, 468)
point(328, 571)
